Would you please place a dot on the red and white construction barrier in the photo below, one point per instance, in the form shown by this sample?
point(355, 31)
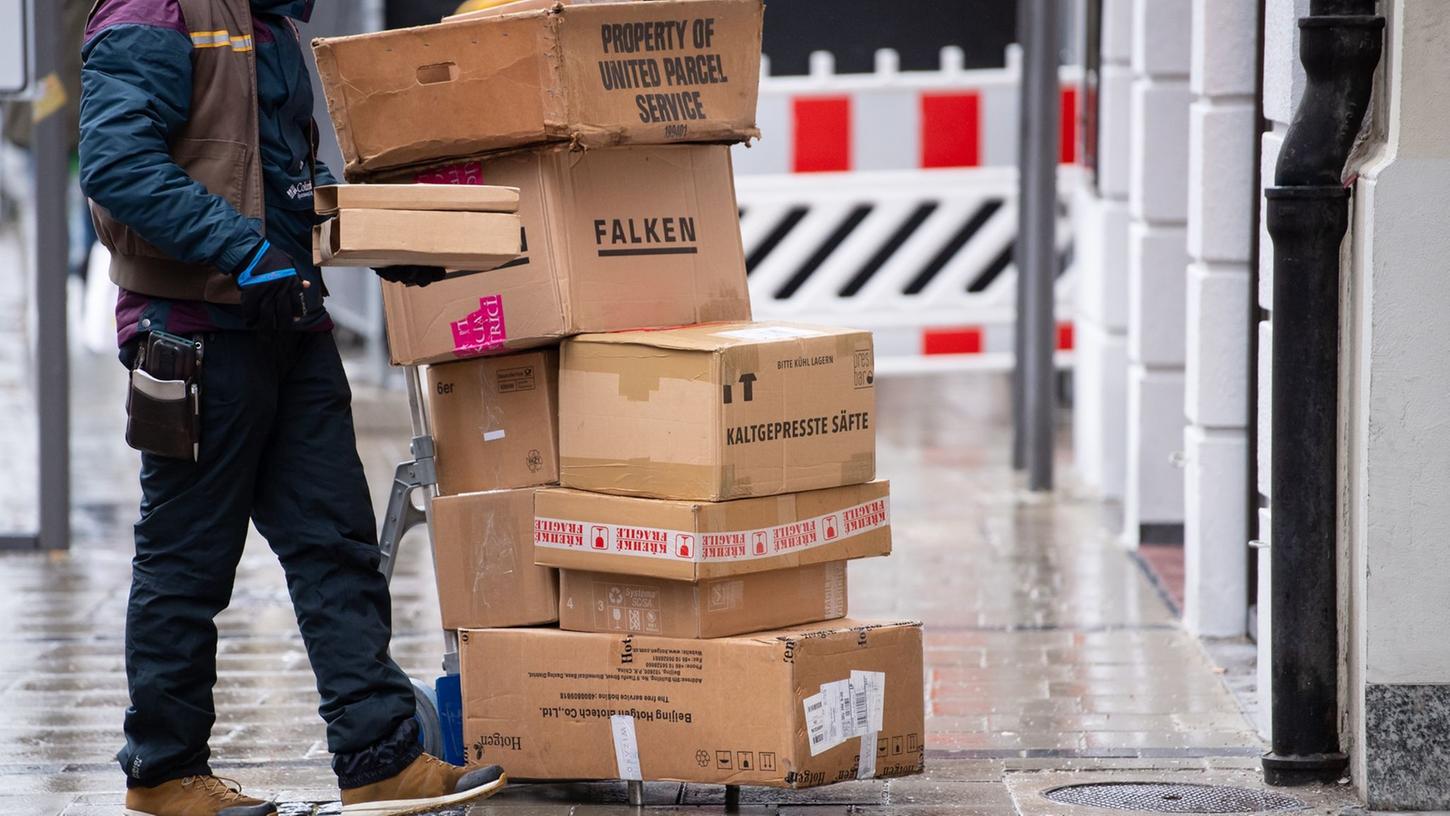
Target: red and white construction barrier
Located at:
point(923, 259)
point(894, 120)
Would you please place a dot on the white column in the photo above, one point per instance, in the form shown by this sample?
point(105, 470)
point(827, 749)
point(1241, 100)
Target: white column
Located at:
point(1283, 86)
point(1157, 258)
point(1101, 225)
point(1223, 126)
point(1395, 348)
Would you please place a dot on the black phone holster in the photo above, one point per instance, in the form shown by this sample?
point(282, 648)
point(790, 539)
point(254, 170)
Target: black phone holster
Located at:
point(163, 404)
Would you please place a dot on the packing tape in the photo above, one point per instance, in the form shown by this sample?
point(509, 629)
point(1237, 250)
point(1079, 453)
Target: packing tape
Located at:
point(636, 370)
point(866, 766)
point(626, 747)
point(714, 546)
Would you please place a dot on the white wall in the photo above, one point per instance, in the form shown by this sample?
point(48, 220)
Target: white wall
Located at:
point(1397, 420)
point(1157, 258)
point(1100, 411)
point(1223, 125)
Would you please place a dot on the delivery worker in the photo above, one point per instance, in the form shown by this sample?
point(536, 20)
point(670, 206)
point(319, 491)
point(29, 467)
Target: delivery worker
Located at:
point(198, 152)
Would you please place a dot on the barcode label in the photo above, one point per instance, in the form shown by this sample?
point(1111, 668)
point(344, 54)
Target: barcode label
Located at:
point(816, 723)
point(873, 694)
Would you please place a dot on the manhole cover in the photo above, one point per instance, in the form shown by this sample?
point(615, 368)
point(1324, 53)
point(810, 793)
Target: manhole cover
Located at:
point(1155, 797)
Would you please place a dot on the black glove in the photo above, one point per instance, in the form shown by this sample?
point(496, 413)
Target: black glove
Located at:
point(273, 293)
point(411, 275)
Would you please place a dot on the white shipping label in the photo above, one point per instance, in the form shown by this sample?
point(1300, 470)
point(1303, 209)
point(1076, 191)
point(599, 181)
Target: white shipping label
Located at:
point(829, 716)
point(626, 747)
point(844, 709)
point(714, 546)
point(767, 333)
point(494, 436)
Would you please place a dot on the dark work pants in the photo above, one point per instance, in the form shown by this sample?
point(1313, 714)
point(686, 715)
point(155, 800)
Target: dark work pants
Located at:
point(277, 448)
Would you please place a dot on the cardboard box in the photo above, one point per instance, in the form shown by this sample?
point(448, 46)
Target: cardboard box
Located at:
point(495, 421)
point(634, 237)
point(458, 240)
point(499, 7)
point(718, 412)
point(695, 541)
point(484, 562)
point(328, 199)
point(792, 708)
point(595, 75)
point(602, 602)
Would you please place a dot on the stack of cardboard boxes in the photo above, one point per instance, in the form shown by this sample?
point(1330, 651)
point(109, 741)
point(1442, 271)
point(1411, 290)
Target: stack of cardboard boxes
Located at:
point(716, 473)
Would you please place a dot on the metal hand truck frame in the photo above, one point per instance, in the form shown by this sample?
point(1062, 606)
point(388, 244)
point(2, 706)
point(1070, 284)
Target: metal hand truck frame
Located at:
point(440, 704)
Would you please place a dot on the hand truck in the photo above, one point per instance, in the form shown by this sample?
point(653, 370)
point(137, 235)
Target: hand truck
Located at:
point(440, 704)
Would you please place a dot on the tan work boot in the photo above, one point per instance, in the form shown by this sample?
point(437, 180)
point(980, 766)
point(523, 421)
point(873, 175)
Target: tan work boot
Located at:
point(427, 784)
point(195, 796)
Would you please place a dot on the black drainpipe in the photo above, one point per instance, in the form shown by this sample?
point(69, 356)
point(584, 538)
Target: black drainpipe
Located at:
point(1308, 214)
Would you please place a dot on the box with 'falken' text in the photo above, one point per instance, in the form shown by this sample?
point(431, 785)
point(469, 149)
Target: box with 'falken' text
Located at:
point(624, 238)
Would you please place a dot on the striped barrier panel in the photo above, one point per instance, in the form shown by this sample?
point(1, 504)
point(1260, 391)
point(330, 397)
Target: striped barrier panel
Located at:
point(923, 259)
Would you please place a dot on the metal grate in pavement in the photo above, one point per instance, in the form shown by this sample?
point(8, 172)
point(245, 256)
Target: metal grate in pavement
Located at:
point(1157, 797)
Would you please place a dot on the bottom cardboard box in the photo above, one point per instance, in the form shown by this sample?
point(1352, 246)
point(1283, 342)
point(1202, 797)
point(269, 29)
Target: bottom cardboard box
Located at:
point(602, 602)
point(791, 708)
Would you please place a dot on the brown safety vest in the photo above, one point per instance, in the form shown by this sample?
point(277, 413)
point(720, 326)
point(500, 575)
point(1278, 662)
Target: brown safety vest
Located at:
point(219, 147)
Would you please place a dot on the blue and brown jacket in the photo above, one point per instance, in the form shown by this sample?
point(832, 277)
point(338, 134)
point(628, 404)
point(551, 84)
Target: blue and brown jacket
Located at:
point(197, 140)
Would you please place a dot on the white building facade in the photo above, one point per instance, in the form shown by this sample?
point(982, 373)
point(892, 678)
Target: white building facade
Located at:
point(1176, 293)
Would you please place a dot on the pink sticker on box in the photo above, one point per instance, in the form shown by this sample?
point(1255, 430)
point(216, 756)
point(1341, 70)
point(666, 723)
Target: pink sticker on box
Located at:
point(481, 331)
point(461, 173)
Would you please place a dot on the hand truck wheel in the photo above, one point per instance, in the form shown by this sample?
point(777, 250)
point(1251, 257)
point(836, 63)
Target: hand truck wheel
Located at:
point(430, 725)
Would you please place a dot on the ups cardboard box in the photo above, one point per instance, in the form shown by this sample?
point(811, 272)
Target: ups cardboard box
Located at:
point(697, 541)
point(793, 708)
point(484, 561)
point(718, 412)
point(493, 8)
point(635, 237)
point(595, 75)
point(425, 224)
point(495, 421)
point(602, 602)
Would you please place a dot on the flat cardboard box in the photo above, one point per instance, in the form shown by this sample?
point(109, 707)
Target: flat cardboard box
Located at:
point(696, 541)
point(484, 564)
point(636, 237)
point(603, 602)
point(495, 421)
point(460, 240)
point(718, 412)
point(594, 75)
point(793, 708)
point(328, 199)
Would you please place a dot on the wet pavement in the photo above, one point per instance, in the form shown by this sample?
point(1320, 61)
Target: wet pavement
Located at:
point(1051, 656)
